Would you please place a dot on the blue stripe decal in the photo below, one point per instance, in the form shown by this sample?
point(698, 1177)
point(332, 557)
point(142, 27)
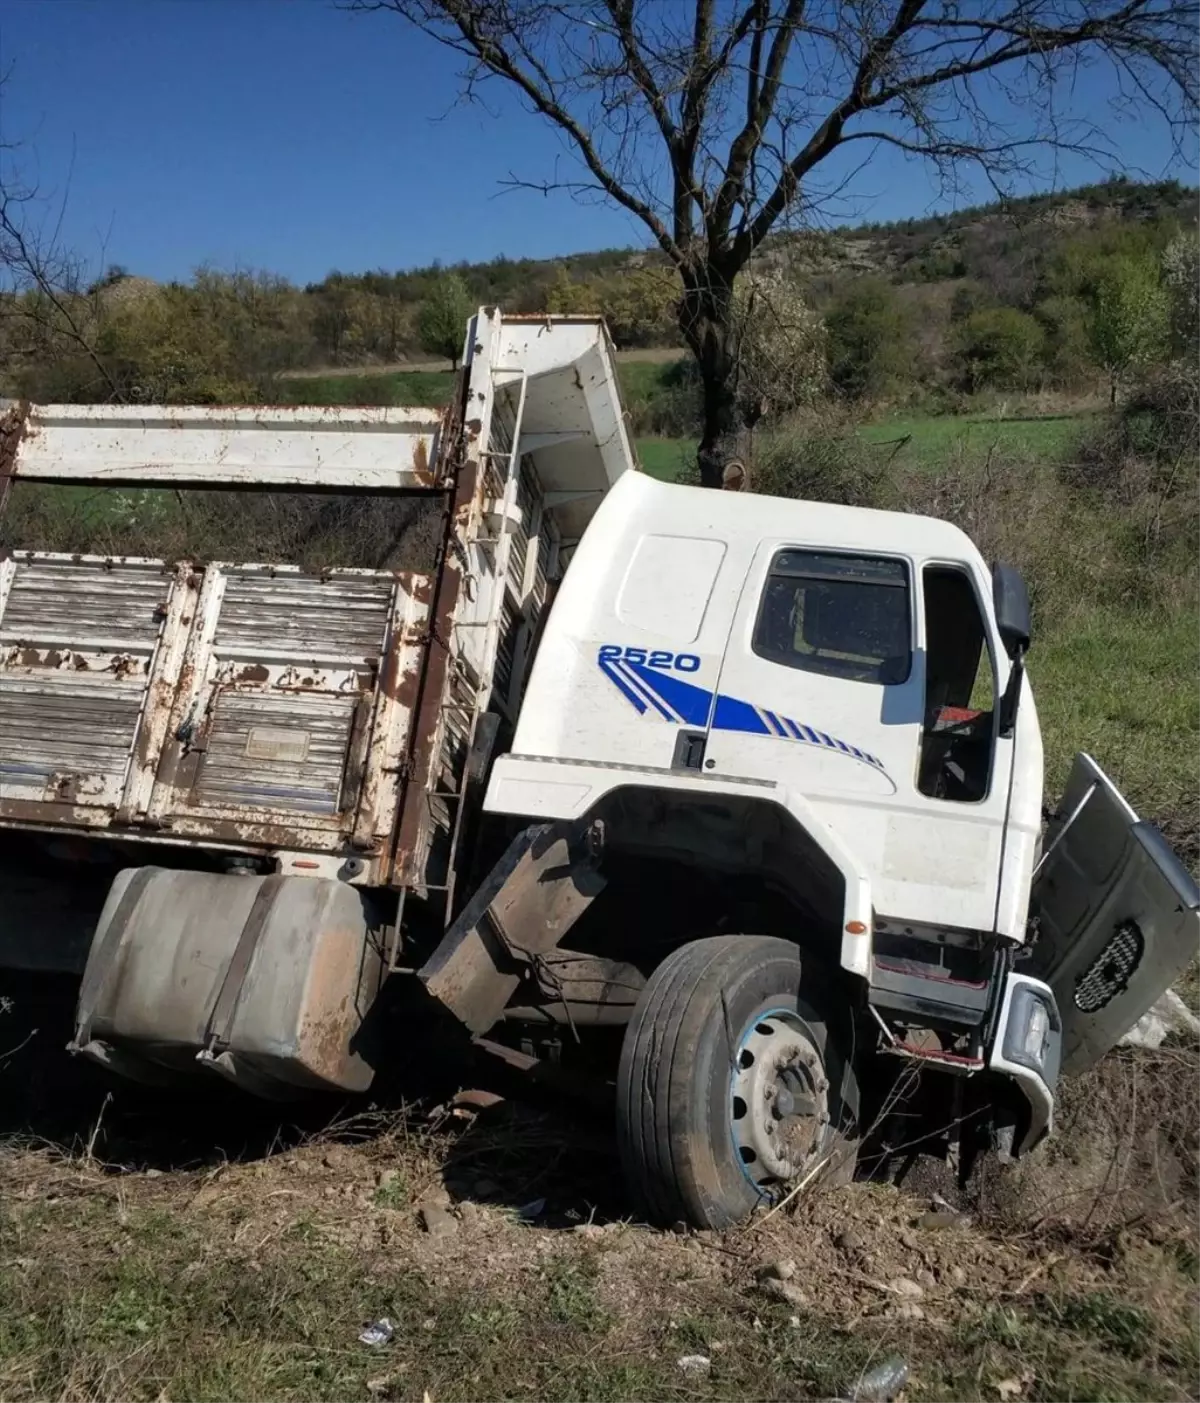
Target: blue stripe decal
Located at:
point(636, 684)
point(691, 703)
point(626, 690)
point(649, 688)
point(734, 715)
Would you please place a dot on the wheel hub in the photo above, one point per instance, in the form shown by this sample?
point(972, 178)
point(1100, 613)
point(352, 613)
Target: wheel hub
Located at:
point(780, 1107)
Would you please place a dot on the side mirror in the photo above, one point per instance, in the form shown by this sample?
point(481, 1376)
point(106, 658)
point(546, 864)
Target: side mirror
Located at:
point(1010, 599)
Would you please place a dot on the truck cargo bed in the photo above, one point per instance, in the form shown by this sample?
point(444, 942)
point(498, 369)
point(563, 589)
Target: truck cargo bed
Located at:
point(163, 683)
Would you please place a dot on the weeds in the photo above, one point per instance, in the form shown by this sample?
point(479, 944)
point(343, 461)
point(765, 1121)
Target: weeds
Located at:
point(1111, 1323)
point(393, 1190)
point(571, 1296)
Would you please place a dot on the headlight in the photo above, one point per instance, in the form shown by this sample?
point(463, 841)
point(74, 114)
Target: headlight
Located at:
point(1032, 1033)
point(1037, 1030)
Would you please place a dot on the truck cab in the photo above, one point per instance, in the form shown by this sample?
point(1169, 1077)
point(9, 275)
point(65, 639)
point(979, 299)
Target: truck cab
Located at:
point(835, 700)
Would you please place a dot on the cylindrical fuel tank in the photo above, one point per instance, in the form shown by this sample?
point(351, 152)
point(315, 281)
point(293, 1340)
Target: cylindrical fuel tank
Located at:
point(263, 980)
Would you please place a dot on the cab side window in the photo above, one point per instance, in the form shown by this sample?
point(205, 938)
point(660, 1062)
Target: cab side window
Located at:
point(840, 615)
point(960, 693)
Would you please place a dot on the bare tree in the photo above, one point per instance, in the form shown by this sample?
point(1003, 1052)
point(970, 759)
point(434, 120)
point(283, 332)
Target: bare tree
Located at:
point(714, 121)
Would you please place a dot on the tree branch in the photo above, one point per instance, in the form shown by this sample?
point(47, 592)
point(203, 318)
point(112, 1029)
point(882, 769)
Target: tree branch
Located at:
point(470, 18)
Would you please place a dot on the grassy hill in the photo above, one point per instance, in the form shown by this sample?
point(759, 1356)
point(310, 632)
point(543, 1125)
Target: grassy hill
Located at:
point(964, 243)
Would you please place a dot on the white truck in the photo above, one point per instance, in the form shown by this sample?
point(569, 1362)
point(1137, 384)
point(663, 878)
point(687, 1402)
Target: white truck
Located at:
point(734, 803)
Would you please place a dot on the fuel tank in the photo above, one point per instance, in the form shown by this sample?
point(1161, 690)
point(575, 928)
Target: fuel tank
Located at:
point(264, 980)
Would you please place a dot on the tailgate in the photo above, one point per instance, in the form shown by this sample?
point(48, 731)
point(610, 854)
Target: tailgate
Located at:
point(234, 703)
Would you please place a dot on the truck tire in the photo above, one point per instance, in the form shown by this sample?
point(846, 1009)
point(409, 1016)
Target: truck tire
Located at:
point(732, 1084)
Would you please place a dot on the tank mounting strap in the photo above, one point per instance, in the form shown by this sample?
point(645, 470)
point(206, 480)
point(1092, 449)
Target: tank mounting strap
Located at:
point(220, 1020)
point(102, 961)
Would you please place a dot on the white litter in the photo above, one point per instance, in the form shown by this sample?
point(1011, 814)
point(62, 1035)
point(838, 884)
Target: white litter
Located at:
point(379, 1333)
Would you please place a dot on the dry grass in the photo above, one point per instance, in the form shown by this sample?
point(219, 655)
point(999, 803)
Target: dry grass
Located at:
point(250, 1274)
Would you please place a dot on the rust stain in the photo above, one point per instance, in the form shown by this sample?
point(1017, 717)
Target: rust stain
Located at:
point(158, 704)
point(328, 1020)
point(431, 681)
point(361, 744)
point(262, 839)
point(255, 672)
point(14, 427)
point(421, 464)
point(420, 587)
point(391, 680)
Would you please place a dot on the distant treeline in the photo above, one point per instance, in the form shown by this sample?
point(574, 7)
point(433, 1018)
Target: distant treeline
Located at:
point(1003, 296)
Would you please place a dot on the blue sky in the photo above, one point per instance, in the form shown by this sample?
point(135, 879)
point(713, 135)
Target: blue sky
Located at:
point(286, 134)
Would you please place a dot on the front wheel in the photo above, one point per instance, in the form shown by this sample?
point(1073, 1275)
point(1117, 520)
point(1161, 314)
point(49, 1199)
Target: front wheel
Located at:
point(732, 1085)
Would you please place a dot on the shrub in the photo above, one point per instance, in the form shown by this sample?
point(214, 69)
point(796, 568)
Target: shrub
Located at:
point(1142, 465)
point(1000, 349)
point(1065, 349)
point(781, 346)
point(870, 349)
point(1181, 279)
point(442, 321)
point(820, 459)
point(1128, 325)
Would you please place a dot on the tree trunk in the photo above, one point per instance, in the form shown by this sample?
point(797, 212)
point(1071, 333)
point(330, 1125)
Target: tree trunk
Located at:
point(707, 322)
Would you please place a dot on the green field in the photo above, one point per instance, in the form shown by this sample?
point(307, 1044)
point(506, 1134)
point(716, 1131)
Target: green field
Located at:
point(928, 442)
point(641, 383)
point(410, 387)
point(931, 440)
point(664, 457)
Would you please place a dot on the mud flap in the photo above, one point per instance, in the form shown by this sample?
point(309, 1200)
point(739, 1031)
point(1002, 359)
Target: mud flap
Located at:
point(537, 891)
point(1118, 915)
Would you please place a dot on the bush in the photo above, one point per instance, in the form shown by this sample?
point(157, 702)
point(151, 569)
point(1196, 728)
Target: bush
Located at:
point(1065, 352)
point(870, 350)
point(819, 460)
point(781, 347)
point(1142, 465)
point(1000, 349)
point(663, 400)
point(1181, 278)
point(1128, 326)
point(442, 320)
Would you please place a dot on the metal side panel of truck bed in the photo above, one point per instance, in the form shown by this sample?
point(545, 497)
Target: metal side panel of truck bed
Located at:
point(238, 703)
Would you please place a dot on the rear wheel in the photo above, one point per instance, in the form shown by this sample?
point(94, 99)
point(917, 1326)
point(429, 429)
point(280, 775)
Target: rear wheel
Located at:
point(733, 1082)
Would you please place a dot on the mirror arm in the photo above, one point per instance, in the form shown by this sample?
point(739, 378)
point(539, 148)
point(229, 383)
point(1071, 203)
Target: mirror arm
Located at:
point(1012, 695)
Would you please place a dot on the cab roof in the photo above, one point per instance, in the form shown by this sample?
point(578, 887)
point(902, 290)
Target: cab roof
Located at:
point(639, 502)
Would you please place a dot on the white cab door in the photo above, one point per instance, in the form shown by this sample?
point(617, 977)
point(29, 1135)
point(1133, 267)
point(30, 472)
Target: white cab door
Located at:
point(824, 690)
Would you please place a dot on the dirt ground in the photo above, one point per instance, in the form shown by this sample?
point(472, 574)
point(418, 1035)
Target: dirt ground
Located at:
point(164, 1250)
